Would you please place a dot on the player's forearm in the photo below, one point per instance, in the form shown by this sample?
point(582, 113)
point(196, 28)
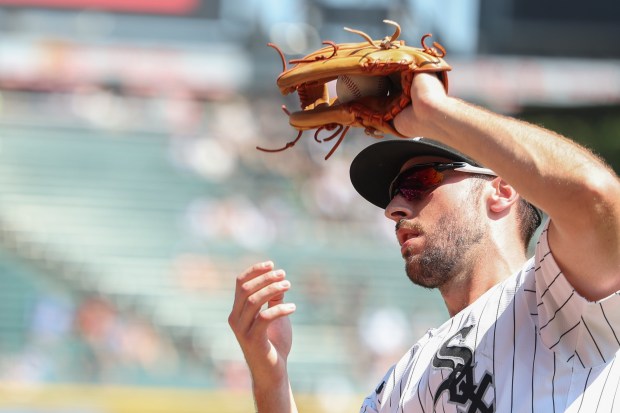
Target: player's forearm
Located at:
point(578, 191)
point(272, 397)
point(549, 170)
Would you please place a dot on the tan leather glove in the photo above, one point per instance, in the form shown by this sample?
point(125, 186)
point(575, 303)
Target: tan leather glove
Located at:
point(389, 58)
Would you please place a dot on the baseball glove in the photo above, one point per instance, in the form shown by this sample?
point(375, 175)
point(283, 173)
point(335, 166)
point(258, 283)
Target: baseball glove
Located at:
point(389, 58)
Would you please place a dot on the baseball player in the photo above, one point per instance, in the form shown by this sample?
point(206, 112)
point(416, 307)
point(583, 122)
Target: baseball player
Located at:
point(525, 335)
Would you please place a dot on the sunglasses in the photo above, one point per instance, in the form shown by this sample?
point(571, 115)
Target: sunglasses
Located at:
point(414, 183)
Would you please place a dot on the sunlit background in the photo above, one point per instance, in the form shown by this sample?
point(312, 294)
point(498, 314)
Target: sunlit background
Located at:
point(131, 192)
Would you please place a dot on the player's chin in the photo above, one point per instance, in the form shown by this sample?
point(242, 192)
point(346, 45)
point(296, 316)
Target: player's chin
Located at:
point(409, 250)
point(423, 279)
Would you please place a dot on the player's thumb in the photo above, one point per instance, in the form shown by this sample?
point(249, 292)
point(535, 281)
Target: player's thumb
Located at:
point(403, 122)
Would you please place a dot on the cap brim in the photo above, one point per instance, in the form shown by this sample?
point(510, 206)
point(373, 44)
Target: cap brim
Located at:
point(376, 166)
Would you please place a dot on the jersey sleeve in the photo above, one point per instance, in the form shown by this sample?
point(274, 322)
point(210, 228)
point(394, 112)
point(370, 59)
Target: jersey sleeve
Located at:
point(569, 324)
point(372, 403)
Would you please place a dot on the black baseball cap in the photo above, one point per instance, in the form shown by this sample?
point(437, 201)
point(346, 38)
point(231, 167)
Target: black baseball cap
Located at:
point(375, 167)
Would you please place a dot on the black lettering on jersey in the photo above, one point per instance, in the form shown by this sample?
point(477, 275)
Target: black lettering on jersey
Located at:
point(461, 384)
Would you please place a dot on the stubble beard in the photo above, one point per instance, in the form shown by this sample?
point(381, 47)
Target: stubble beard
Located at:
point(445, 254)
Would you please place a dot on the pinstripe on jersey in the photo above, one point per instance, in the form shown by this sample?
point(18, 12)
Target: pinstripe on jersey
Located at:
point(530, 344)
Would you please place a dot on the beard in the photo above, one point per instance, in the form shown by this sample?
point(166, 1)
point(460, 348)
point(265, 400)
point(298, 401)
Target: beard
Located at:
point(445, 253)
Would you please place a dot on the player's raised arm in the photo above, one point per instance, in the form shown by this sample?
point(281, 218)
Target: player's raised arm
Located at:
point(578, 191)
point(265, 334)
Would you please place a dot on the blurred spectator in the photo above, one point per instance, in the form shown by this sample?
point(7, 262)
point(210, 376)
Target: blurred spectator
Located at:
point(328, 192)
point(51, 320)
point(205, 156)
point(195, 272)
point(102, 107)
point(385, 333)
point(233, 375)
point(121, 344)
point(234, 218)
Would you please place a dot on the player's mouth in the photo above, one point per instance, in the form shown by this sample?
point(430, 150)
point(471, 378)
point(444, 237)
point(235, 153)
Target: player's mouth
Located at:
point(406, 238)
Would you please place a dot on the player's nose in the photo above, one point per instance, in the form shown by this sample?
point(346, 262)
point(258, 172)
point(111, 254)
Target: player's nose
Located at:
point(398, 209)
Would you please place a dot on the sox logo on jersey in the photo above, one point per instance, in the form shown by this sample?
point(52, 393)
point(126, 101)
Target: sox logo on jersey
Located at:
point(460, 384)
point(529, 344)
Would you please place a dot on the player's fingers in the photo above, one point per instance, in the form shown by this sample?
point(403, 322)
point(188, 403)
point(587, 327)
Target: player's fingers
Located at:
point(426, 88)
point(253, 304)
point(269, 315)
point(402, 122)
point(275, 300)
point(254, 285)
point(254, 270)
point(242, 289)
point(250, 287)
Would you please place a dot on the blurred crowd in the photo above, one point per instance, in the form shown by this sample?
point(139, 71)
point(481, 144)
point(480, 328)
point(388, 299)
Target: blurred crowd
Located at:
point(89, 341)
point(252, 201)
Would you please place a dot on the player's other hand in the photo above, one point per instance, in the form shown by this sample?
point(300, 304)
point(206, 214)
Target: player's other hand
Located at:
point(427, 97)
point(259, 320)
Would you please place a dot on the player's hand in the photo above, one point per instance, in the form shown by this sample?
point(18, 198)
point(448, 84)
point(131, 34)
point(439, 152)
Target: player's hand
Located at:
point(264, 334)
point(427, 95)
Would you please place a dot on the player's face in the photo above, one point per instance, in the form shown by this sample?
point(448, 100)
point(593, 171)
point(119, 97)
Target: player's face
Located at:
point(438, 232)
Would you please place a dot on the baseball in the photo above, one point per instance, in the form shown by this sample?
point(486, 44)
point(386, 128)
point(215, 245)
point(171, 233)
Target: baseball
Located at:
point(351, 87)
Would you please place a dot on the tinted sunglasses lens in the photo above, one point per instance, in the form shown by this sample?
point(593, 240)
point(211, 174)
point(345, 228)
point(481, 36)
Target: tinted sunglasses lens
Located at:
point(415, 183)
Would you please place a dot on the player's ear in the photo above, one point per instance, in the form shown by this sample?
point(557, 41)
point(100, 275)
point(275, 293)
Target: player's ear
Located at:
point(502, 196)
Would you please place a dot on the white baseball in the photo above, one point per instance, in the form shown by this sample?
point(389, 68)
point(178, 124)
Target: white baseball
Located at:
point(351, 87)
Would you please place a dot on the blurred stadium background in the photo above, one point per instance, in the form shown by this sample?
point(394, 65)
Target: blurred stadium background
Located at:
point(131, 193)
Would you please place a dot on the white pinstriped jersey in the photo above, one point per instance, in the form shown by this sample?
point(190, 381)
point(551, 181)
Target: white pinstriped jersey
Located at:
point(530, 344)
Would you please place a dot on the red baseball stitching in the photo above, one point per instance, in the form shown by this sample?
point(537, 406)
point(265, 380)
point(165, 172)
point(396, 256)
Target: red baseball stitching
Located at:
point(350, 84)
